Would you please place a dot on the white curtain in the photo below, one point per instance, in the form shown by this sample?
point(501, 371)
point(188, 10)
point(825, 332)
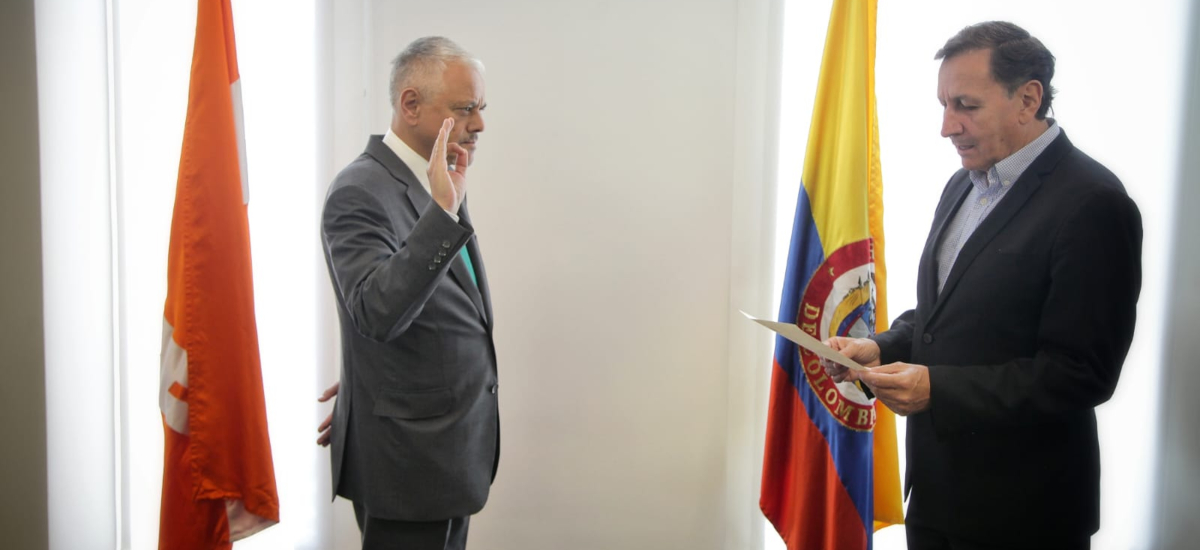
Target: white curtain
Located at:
point(113, 82)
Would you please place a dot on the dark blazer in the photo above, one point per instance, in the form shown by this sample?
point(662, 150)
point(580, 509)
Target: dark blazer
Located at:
point(1027, 336)
point(416, 426)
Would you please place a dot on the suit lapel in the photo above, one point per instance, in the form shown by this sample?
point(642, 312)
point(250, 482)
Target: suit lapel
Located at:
point(419, 200)
point(1013, 201)
point(958, 193)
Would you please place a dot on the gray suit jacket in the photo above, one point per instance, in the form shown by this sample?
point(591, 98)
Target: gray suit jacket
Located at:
point(416, 430)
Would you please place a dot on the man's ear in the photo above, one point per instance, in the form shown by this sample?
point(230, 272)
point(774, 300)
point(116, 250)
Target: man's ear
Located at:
point(1031, 99)
point(409, 105)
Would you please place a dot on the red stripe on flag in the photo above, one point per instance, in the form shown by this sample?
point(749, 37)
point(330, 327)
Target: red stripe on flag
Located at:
point(800, 485)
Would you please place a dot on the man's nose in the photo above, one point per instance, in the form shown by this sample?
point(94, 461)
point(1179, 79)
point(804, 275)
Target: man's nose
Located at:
point(475, 124)
point(950, 124)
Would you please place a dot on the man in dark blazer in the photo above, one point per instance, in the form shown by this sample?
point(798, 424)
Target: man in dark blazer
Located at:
point(415, 431)
point(1026, 300)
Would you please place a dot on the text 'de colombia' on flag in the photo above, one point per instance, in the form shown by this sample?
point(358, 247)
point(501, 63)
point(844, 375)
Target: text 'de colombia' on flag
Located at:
point(218, 477)
point(830, 471)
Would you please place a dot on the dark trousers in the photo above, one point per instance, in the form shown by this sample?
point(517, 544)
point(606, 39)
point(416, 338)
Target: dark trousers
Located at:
point(925, 538)
point(389, 534)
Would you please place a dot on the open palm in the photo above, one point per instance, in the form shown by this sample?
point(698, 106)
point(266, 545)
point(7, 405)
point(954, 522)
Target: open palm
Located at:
point(448, 185)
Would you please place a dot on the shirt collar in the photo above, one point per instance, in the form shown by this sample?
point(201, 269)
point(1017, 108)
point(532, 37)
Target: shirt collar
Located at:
point(1008, 170)
point(410, 158)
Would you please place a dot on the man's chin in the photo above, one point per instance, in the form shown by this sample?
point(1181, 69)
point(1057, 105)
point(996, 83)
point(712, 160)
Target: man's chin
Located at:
point(971, 163)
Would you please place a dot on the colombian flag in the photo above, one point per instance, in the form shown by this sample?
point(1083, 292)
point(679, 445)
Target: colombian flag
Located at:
point(830, 472)
point(218, 478)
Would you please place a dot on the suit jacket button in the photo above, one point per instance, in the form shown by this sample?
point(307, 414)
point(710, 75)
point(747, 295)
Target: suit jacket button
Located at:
point(927, 338)
point(432, 267)
point(494, 386)
point(437, 259)
point(445, 244)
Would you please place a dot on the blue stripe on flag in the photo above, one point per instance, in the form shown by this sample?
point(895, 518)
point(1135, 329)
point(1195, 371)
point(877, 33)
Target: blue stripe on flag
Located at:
point(851, 450)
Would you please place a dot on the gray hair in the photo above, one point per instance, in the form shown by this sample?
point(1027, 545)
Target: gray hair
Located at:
point(421, 64)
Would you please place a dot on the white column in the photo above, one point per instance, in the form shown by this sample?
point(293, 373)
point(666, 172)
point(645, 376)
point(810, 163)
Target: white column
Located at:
point(755, 160)
point(73, 110)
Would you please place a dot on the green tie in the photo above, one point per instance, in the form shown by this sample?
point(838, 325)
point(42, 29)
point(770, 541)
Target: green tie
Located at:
point(470, 267)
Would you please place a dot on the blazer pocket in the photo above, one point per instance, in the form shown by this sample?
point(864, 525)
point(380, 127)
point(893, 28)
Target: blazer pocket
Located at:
point(413, 405)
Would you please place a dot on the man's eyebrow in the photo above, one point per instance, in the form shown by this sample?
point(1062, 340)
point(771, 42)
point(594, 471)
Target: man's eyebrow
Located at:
point(468, 104)
point(960, 98)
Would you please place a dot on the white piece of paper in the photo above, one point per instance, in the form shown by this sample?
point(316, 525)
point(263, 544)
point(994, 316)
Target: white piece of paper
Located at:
point(801, 338)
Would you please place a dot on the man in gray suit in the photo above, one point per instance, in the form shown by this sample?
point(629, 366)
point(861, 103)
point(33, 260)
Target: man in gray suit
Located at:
point(415, 432)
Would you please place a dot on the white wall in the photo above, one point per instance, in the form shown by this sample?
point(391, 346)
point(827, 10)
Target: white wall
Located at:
point(604, 197)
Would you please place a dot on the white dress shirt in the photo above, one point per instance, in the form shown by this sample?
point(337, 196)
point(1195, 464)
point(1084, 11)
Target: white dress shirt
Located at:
point(988, 187)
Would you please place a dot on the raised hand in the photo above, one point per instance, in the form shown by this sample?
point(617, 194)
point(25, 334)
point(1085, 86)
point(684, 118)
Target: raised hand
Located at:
point(448, 185)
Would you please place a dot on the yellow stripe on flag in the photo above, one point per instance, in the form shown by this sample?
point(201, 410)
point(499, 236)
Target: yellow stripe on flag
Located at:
point(844, 181)
point(888, 507)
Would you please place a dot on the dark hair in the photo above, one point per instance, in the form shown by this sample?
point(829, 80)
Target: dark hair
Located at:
point(1017, 57)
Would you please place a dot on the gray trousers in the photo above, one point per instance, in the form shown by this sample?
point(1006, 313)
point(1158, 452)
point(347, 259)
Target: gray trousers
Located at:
point(389, 534)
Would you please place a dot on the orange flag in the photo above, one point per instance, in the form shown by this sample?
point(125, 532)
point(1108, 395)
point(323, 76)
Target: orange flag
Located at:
point(218, 478)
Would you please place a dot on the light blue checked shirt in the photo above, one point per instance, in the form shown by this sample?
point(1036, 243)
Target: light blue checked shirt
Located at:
point(988, 188)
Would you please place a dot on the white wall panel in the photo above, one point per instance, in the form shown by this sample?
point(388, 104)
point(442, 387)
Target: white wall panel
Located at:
point(77, 254)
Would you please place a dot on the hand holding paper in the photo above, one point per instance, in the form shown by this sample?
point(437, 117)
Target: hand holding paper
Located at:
point(903, 387)
point(803, 339)
point(862, 350)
